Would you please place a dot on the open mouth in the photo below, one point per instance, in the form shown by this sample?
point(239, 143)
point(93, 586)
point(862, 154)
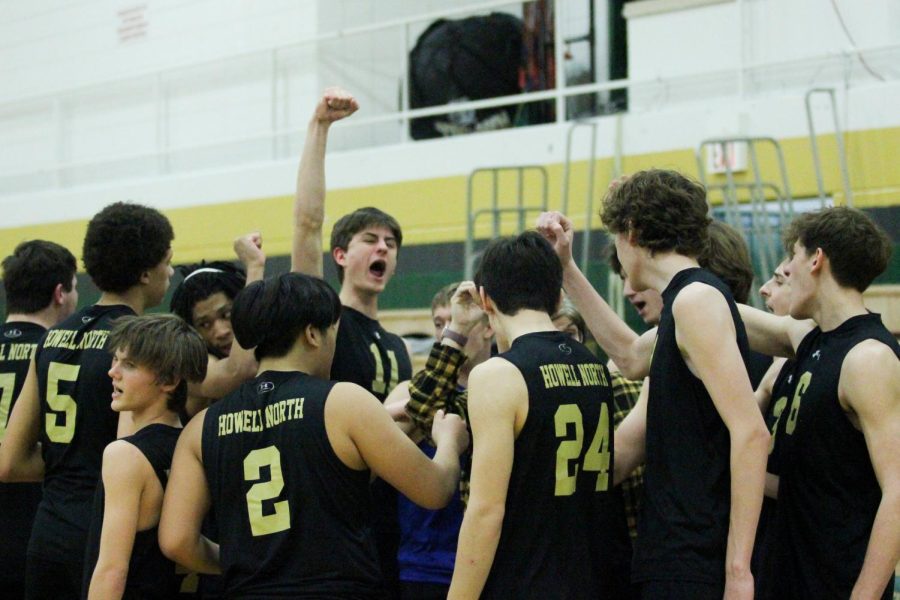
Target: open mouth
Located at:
point(639, 305)
point(378, 268)
point(117, 391)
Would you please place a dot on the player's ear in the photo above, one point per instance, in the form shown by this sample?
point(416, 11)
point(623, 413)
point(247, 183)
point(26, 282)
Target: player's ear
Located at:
point(59, 294)
point(145, 277)
point(486, 303)
point(312, 336)
point(339, 255)
point(169, 387)
point(818, 261)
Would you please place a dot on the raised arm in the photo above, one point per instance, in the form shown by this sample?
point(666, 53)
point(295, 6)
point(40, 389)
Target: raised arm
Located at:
point(364, 436)
point(185, 504)
point(870, 387)
point(20, 453)
point(773, 335)
point(309, 204)
point(497, 391)
point(716, 360)
point(616, 338)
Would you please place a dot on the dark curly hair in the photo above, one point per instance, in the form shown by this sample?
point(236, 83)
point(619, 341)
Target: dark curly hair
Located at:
point(196, 286)
point(664, 209)
point(32, 272)
point(857, 249)
point(727, 256)
point(123, 240)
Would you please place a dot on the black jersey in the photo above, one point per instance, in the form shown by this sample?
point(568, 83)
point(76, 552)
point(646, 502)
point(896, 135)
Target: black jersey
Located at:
point(683, 529)
point(369, 356)
point(76, 425)
point(293, 519)
point(150, 574)
point(18, 501)
point(763, 560)
point(828, 494)
point(559, 537)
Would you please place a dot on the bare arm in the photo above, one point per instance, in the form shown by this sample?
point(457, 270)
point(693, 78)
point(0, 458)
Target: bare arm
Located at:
point(870, 387)
point(363, 435)
point(699, 309)
point(20, 453)
point(763, 395)
point(309, 204)
point(773, 335)
point(616, 338)
point(630, 438)
point(496, 393)
point(186, 502)
point(124, 472)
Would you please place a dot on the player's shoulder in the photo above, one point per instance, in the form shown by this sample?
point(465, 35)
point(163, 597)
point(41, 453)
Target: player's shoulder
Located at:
point(870, 355)
point(121, 458)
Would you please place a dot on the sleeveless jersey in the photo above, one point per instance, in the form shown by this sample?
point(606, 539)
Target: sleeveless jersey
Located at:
point(293, 520)
point(828, 494)
point(561, 537)
point(763, 561)
point(683, 529)
point(18, 501)
point(150, 574)
point(76, 425)
point(369, 356)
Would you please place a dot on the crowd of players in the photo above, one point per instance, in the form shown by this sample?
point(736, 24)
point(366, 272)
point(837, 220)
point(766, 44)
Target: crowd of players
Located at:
point(270, 440)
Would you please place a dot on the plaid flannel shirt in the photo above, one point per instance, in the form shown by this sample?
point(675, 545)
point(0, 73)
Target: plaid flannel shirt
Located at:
point(625, 396)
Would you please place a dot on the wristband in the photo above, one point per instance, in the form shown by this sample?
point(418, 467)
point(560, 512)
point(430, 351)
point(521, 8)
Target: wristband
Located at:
point(453, 335)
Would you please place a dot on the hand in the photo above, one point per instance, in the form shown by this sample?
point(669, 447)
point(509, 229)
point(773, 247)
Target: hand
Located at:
point(336, 104)
point(249, 249)
point(557, 229)
point(397, 410)
point(449, 429)
point(465, 308)
point(739, 587)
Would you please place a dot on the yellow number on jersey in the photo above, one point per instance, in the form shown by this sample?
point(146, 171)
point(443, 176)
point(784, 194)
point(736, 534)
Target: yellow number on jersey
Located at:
point(777, 410)
point(279, 520)
point(378, 384)
point(7, 385)
point(795, 405)
point(60, 403)
point(595, 460)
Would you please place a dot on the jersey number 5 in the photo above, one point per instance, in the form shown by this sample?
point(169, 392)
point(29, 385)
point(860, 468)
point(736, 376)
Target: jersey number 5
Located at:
point(596, 459)
point(60, 424)
point(7, 386)
point(280, 518)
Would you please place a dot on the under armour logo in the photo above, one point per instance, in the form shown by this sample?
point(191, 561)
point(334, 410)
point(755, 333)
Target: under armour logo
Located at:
point(87, 319)
point(377, 336)
point(265, 386)
point(817, 354)
point(565, 349)
point(790, 379)
point(13, 333)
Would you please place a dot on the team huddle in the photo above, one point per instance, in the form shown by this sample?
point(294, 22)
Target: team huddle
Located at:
point(269, 438)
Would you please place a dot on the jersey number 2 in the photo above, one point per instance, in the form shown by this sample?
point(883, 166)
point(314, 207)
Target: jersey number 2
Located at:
point(280, 518)
point(596, 459)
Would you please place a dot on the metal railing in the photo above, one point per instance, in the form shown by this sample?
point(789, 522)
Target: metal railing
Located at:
point(839, 139)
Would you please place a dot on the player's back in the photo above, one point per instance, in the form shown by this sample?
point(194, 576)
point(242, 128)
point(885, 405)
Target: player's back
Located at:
point(564, 533)
point(18, 501)
point(293, 519)
point(76, 425)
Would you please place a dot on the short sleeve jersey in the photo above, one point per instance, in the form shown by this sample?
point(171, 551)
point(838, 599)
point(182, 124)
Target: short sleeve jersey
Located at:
point(828, 493)
point(151, 576)
point(563, 533)
point(683, 529)
point(18, 501)
point(76, 425)
point(293, 519)
point(369, 356)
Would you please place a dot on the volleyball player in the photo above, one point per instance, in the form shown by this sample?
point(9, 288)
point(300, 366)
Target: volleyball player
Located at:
point(839, 489)
point(538, 523)
point(41, 290)
point(154, 358)
point(62, 420)
point(364, 246)
point(284, 461)
point(203, 299)
point(700, 432)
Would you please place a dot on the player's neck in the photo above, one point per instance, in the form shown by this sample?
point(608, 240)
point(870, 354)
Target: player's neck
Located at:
point(835, 304)
point(132, 298)
point(523, 323)
point(299, 358)
point(158, 412)
point(364, 302)
point(45, 318)
point(658, 271)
